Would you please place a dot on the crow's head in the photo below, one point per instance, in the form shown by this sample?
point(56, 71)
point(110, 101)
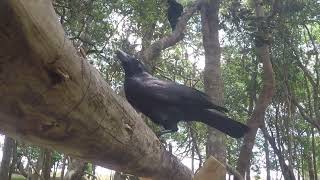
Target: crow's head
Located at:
point(130, 64)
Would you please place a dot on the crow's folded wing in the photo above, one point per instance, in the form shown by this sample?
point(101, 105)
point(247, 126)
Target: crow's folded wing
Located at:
point(171, 93)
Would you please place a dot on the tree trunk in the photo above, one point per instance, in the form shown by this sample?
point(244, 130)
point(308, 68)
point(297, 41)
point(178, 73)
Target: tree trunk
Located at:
point(212, 73)
point(257, 118)
point(6, 158)
point(302, 163)
point(14, 159)
point(192, 158)
point(55, 168)
point(63, 167)
point(76, 170)
point(267, 154)
point(30, 176)
point(314, 155)
point(248, 173)
point(53, 98)
point(37, 167)
point(287, 171)
point(310, 166)
point(46, 165)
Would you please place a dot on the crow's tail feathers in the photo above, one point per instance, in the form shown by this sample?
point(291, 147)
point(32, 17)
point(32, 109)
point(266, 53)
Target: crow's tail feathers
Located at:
point(224, 124)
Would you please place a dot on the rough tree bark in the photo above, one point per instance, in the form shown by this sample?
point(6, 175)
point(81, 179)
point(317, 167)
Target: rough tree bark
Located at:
point(257, 118)
point(53, 98)
point(213, 84)
point(46, 164)
point(6, 158)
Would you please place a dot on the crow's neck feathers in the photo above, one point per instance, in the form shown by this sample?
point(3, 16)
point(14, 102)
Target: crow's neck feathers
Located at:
point(134, 67)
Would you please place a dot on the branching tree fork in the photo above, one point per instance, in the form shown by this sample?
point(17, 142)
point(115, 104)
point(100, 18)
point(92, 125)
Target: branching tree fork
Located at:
point(257, 118)
point(154, 50)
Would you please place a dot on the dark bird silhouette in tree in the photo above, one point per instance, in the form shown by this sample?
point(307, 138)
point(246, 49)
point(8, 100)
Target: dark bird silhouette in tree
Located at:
point(166, 103)
point(174, 12)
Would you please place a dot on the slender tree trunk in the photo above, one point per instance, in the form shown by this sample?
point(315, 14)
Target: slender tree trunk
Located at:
point(63, 167)
point(310, 166)
point(14, 159)
point(39, 164)
point(30, 175)
point(6, 158)
point(299, 172)
point(314, 155)
point(55, 168)
point(297, 159)
point(93, 171)
point(302, 163)
point(286, 170)
point(192, 158)
point(196, 149)
point(288, 130)
point(46, 165)
point(268, 164)
point(212, 73)
point(257, 118)
point(252, 92)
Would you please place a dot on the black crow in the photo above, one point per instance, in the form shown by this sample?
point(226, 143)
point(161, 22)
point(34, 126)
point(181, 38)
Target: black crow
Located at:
point(166, 103)
point(174, 12)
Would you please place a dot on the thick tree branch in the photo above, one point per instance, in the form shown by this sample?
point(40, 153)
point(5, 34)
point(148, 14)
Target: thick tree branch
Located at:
point(154, 50)
point(53, 98)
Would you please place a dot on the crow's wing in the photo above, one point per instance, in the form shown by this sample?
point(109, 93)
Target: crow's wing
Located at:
point(168, 92)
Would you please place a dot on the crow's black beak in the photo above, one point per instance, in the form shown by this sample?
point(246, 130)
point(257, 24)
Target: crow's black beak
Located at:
point(123, 57)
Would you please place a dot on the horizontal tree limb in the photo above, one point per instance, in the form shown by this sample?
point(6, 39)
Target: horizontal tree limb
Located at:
point(53, 98)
